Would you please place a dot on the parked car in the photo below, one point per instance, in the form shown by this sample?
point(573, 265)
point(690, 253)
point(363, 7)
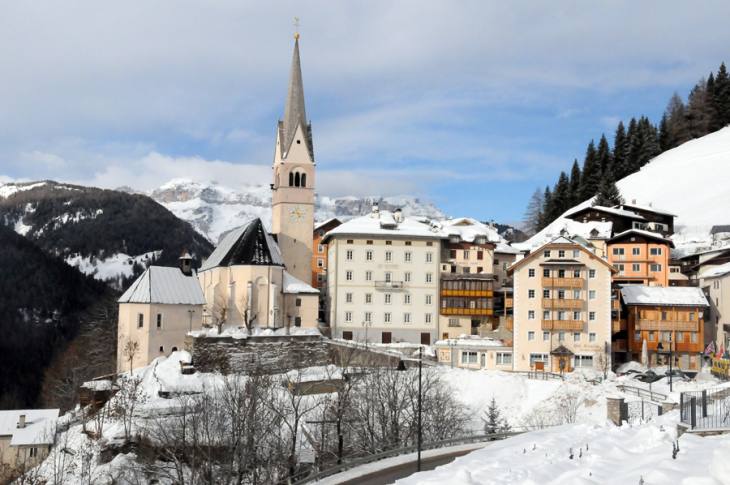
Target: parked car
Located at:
point(648, 376)
point(678, 374)
point(629, 372)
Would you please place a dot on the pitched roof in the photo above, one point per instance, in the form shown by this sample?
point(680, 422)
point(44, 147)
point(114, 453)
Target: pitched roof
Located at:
point(716, 271)
point(559, 240)
point(469, 229)
point(331, 220)
point(160, 284)
point(383, 224)
point(506, 248)
point(294, 111)
point(643, 233)
point(608, 210)
point(648, 208)
point(249, 244)
point(39, 427)
point(294, 285)
point(659, 295)
point(720, 228)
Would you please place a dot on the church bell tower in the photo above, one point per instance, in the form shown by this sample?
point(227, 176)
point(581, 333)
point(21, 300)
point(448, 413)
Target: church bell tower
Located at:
point(293, 186)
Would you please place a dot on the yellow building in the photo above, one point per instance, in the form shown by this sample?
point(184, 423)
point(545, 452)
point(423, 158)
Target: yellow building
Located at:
point(26, 438)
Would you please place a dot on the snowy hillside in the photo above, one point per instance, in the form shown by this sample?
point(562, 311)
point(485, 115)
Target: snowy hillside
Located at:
point(692, 181)
point(213, 209)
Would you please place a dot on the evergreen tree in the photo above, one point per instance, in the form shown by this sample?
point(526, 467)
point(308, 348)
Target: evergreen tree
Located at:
point(608, 194)
point(493, 420)
point(575, 177)
point(665, 142)
point(721, 96)
point(677, 122)
point(591, 173)
point(533, 214)
point(620, 152)
point(603, 155)
point(698, 113)
point(561, 196)
point(714, 122)
point(649, 141)
point(547, 208)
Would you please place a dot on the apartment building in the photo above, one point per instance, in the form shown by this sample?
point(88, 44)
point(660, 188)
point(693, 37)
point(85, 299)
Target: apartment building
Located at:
point(26, 438)
point(562, 308)
point(466, 299)
point(469, 352)
point(383, 279)
point(716, 287)
point(668, 320)
point(640, 257)
point(319, 264)
point(504, 257)
point(629, 216)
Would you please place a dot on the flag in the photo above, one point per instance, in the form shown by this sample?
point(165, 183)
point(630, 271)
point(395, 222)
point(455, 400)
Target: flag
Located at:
point(710, 350)
point(720, 351)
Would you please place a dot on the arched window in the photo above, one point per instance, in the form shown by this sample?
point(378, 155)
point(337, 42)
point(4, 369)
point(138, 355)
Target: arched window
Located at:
point(296, 180)
point(291, 179)
point(304, 180)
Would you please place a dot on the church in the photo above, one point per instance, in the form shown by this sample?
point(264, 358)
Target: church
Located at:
point(253, 279)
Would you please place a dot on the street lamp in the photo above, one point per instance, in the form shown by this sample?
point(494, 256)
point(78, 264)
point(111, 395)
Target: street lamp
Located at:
point(366, 324)
point(402, 367)
point(660, 349)
point(190, 314)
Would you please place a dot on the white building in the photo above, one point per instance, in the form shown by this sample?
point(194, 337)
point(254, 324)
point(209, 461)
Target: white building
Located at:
point(26, 437)
point(383, 279)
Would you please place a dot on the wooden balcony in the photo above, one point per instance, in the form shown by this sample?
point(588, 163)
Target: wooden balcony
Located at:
point(619, 346)
point(563, 282)
point(469, 293)
point(664, 325)
point(485, 312)
point(618, 325)
point(575, 325)
point(554, 303)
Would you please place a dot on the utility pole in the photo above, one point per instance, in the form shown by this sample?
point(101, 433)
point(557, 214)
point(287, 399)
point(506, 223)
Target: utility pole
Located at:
point(420, 366)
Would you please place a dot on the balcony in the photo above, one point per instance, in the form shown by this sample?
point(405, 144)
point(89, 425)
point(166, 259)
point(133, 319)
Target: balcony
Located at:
point(575, 325)
point(549, 303)
point(389, 285)
point(563, 282)
point(485, 312)
point(664, 325)
point(470, 293)
point(618, 325)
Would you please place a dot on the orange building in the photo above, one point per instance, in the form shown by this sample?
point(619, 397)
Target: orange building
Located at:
point(319, 262)
point(640, 257)
point(672, 317)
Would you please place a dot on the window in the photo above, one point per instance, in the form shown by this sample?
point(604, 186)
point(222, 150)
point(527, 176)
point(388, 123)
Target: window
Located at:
point(466, 254)
point(531, 273)
point(693, 337)
point(530, 335)
point(637, 336)
point(159, 320)
point(406, 318)
point(538, 358)
point(546, 293)
point(591, 316)
point(584, 361)
point(369, 242)
point(480, 255)
point(619, 268)
point(652, 337)
point(667, 336)
point(368, 297)
point(368, 275)
point(576, 294)
point(656, 268)
point(388, 298)
point(162, 348)
point(320, 248)
point(368, 317)
point(561, 253)
point(350, 241)
point(545, 336)
point(561, 315)
point(348, 316)
point(576, 253)
point(576, 316)
point(297, 321)
point(479, 269)
point(140, 320)
point(680, 336)
point(428, 318)
point(407, 298)
point(561, 273)
point(407, 256)
point(388, 243)
point(386, 317)
point(504, 358)
point(635, 267)
point(576, 336)
point(531, 315)
point(468, 357)
point(592, 337)
point(320, 263)
point(452, 253)
point(454, 322)
point(407, 243)
point(33, 452)
point(546, 314)
point(429, 277)
point(298, 302)
point(348, 297)
point(348, 275)
point(561, 336)
point(429, 243)
point(530, 293)
point(561, 294)
point(655, 251)
point(346, 335)
point(368, 255)
point(691, 316)
point(389, 256)
point(428, 299)
point(591, 273)
point(664, 315)
point(388, 276)
point(618, 251)
point(546, 273)
point(591, 294)
point(429, 257)
point(546, 253)
point(636, 251)
point(407, 276)
point(467, 270)
point(348, 255)
point(576, 273)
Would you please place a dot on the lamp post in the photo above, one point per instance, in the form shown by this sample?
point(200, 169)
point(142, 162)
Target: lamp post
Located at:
point(190, 315)
point(420, 366)
point(660, 349)
point(366, 324)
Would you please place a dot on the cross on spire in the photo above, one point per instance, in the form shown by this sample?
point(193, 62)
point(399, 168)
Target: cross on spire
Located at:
point(296, 27)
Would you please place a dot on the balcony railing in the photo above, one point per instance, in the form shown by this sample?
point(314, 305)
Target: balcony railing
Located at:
point(563, 282)
point(618, 325)
point(563, 325)
point(473, 293)
point(467, 311)
point(664, 325)
point(549, 303)
point(389, 285)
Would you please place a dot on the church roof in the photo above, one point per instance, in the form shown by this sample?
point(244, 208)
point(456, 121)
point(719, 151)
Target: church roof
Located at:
point(294, 112)
point(249, 244)
point(294, 285)
point(165, 285)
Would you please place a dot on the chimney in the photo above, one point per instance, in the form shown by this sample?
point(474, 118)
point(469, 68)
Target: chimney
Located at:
point(21, 421)
point(186, 263)
point(376, 210)
point(398, 215)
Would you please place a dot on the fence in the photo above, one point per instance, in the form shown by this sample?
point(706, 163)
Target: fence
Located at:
point(643, 393)
point(638, 412)
point(705, 410)
point(540, 375)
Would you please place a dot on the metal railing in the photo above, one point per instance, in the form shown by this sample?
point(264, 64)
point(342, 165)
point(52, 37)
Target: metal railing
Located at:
point(540, 375)
point(637, 412)
point(705, 410)
point(392, 285)
point(656, 397)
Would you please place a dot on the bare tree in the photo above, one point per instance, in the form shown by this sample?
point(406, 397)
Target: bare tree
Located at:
point(220, 312)
point(129, 351)
point(126, 400)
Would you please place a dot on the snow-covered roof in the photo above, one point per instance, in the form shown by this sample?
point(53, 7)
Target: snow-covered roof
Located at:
point(249, 244)
point(469, 229)
point(658, 295)
point(720, 229)
point(609, 210)
point(648, 208)
point(296, 286)
point(506, 248)
point(644, 233)
point(160, 284)
point(318, 225)
point(39, 426)
point(383, 223)
point(569, 227)
point(578, 243)
point(716, 271)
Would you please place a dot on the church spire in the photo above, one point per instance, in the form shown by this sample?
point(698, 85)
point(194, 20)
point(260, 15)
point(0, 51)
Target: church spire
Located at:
point(294, 112)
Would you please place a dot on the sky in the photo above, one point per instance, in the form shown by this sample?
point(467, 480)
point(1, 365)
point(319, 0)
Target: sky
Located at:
point(469, 104)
